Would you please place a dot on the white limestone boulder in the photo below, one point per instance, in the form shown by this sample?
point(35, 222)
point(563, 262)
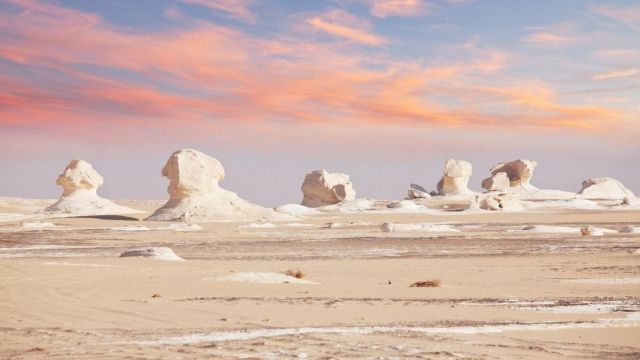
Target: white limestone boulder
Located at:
point(455, 179)
point(605, 188)
point(498, 182)
point(80, 183)
point(519, 173)
point(321, 188)
point(194, 193)
point(417, 192)
point(496, 201)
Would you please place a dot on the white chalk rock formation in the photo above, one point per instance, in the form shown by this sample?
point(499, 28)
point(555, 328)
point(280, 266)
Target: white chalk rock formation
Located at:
point(80, 183)
point(321, 188)
point(455, 179)
point(194, 193)
point(501, 202)
point(158, 253)
point(417, 192)
point(498, 182)
point(519, 172)
point(605, 188)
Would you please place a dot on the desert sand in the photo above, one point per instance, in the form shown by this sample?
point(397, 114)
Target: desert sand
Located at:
point(511, 285)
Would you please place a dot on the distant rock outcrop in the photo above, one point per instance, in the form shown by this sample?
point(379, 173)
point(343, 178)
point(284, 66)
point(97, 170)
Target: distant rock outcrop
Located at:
point(417, 192)
point(605, 188)
point(455, 179)
point(321, 188)
point(518, 172)
point(194, 193)
point(80, 183)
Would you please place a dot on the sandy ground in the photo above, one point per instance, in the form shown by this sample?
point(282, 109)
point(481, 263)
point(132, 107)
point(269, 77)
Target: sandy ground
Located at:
point(504, 293)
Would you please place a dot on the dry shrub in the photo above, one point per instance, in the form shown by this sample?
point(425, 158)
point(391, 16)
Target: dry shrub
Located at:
point(295, 273)
point(427, 283)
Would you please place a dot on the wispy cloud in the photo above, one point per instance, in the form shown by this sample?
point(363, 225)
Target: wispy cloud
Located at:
point(615, 74)
point(236, 9)
point(345, 25)
point(545, 38)
point(629, 15)
point(205, 76)
point(408, 8)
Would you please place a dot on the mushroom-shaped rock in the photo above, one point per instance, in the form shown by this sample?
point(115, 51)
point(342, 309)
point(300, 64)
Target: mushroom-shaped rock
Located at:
point(80, 183)
point(194, 193)
point(605, 188)
point(322, 188)
point(519, 173)
point(456, 178)
point(417, 192)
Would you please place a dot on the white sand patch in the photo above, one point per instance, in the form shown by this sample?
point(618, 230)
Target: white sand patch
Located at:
point(129, 228)
point(407, 207)
point(298, 225)
point(33, 247)
point(579, 204)
point(157, 253)
point(295, 209)
point(353, 206)
point(259, 226)
point(576, 309)
point(181, 227)
point(548, 229)
point(14, 217)
point(607, 281)
point(632, 319)
point(37, 225)
point(263, 278)
point(76, 264)
point(422, 227)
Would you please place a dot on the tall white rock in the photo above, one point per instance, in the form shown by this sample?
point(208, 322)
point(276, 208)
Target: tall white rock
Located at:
point(194, 193)
point(605, 188)
point(321, 188)
point(455, 179)
point(80, 183)
point(519, 172)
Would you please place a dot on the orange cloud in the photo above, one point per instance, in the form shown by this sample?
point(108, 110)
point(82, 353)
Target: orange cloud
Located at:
point(93, 74)
point(342, 24)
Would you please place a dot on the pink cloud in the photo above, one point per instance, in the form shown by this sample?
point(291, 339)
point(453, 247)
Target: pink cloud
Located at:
point(613, 74)
point(205, 77)
point(629, 15)
point(548, 39)
point(384, 8)
point(342, 24)
point(237, 9)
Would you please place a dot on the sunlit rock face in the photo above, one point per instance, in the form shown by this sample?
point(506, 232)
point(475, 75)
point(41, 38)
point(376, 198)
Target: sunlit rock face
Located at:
point(321, 188)
point(455, 179)
point(80, 183)
point(605, 188)
point(194, 193)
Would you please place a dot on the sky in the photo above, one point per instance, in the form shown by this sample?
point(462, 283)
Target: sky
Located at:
point(383, 90)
